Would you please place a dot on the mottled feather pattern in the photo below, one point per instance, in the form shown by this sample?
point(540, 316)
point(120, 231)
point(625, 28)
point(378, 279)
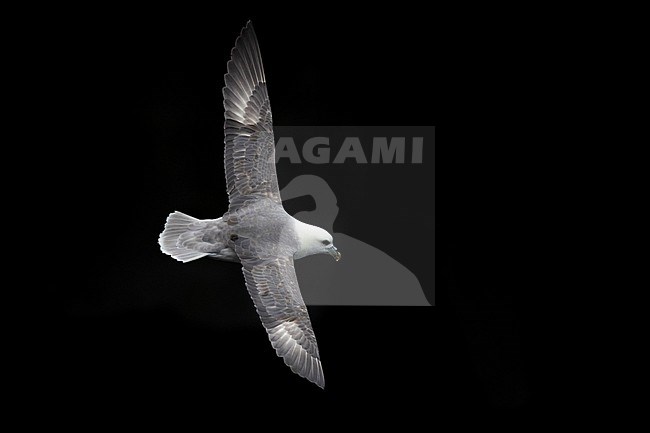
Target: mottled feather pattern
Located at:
point(178, 225)
point(249, 154)
point(273, 286)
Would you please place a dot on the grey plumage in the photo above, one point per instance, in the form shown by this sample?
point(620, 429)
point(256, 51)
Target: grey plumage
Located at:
point(249, 155)
point(256, 231)
point(273, 286)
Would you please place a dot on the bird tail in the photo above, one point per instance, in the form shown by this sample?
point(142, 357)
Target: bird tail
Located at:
point(177, 224)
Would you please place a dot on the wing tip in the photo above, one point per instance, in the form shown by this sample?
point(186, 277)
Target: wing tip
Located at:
point(321, 384)
point(314, 376)
point(245, 42)
point(248, 27)
point(320, 378)
point(245, 31)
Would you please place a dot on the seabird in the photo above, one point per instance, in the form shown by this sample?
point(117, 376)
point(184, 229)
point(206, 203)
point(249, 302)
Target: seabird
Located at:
point(256, 231)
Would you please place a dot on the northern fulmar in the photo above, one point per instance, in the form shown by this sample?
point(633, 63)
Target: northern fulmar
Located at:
point(256, 231)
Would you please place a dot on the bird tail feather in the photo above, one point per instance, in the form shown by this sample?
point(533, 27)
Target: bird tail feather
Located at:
point(177, 224)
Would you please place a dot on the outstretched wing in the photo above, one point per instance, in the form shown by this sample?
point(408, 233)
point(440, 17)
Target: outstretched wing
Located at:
point(273, 286)
point(249, 155)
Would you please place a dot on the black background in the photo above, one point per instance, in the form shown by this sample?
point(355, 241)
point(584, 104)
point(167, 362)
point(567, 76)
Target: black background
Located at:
point(137, 117)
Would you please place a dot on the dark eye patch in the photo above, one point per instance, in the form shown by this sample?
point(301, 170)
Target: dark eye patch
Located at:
point(326, 242)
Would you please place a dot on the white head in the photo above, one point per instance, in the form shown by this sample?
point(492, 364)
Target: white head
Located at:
point(314, 240)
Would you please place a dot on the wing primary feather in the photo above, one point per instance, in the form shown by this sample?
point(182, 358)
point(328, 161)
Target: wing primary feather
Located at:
point(273, 287)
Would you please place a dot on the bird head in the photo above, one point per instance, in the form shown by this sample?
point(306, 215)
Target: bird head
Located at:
point(315, 240)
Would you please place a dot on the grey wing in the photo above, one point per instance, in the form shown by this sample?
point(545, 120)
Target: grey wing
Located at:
point(273, 286)
point(249, 155)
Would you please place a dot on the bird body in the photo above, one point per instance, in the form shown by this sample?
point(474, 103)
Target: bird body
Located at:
point(256, 231)
point(262, 229)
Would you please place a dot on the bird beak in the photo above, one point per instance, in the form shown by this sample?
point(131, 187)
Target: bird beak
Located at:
point(335, 253)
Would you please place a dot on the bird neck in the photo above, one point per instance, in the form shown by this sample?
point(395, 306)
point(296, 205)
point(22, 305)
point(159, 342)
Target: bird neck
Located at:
point(307, 235)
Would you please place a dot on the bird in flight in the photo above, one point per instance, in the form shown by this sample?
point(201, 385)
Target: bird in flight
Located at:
point(256, 231)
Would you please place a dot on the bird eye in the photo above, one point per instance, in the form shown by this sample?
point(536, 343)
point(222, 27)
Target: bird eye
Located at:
point(326, 242)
